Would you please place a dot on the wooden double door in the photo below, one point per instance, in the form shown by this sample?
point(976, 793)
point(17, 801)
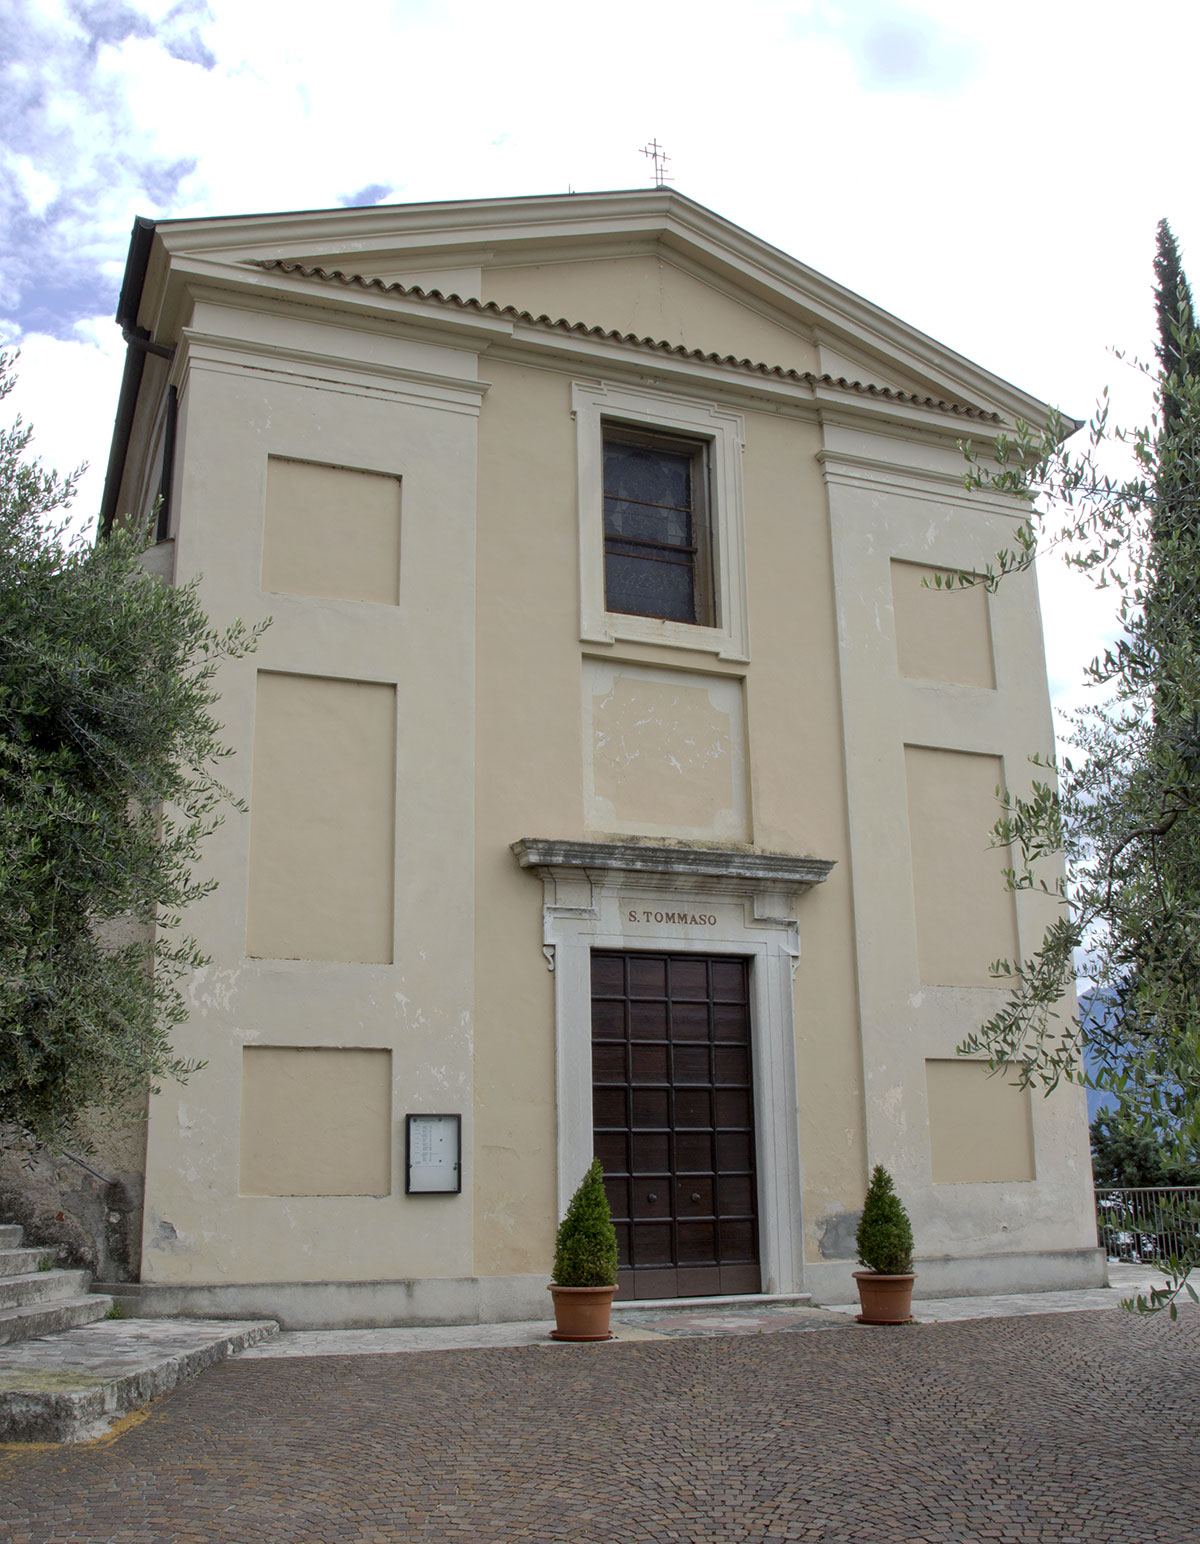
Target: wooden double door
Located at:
point(673, 1113)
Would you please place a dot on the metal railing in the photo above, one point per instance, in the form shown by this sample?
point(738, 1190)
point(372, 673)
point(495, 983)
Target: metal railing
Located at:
point(1148, 1223)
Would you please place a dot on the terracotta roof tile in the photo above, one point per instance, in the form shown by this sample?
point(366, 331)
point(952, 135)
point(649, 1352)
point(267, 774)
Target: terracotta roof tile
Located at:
point(610, 335)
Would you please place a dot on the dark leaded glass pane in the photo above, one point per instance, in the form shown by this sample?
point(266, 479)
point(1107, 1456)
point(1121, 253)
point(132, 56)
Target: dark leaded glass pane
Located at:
point(647, 588)
point(647, 524)
point(648, 475)
point(650, 541)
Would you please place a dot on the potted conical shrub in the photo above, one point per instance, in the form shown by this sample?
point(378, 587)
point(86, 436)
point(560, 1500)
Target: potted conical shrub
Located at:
point(885, 1246)
point(585, 1263)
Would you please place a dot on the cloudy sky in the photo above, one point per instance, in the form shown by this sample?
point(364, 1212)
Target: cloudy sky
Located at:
point(991, 174)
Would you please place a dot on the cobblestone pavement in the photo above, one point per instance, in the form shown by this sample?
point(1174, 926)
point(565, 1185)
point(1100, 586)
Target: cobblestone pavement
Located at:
point(1036, 1430)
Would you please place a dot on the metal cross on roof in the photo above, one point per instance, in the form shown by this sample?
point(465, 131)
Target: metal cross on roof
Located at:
point(660, 158)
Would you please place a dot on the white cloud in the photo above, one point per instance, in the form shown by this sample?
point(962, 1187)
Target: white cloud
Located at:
point(67, 390)
point(995, 183)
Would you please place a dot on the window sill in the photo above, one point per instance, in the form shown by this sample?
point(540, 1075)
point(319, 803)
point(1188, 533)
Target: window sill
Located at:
point(619, 627)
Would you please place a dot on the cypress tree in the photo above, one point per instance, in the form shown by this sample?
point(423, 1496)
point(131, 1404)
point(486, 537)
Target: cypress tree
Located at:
point(1175, 536)
point(1174, 312)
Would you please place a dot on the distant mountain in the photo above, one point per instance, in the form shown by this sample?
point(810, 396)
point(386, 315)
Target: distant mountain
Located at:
point(1096, 1009)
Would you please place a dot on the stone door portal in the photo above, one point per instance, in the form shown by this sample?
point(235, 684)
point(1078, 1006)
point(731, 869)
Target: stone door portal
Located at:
point(673, 1116)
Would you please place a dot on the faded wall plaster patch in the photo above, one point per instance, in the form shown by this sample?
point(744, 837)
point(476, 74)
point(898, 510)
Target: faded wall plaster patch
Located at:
point(665, 752)
point(835, 1237)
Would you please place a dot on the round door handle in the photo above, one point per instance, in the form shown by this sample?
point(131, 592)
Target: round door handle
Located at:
point(695, 1195)
point(652, 1197)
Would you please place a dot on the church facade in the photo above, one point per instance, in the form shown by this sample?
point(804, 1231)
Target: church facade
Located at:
point(616, 780)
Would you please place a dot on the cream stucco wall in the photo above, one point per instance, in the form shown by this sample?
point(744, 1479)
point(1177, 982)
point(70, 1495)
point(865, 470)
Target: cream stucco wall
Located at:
point(406, 412)
point(965, 916)
point(980, 1123)
point(331, 531)
point(891, 499)
point(322, 868)
point(943, 631)
point(316, 1121)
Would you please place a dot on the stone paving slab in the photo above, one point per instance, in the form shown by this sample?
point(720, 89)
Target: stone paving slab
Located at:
point(1053, 1429)
point(67, 1387)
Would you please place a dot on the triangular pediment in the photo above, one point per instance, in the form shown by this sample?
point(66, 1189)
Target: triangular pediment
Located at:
point(649, 263)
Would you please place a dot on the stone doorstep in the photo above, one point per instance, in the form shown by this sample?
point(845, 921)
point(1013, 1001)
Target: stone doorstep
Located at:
point(691, 1304)
point(70, 1387)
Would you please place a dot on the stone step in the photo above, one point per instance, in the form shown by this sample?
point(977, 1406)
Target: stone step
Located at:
point(42, 1287)
point(40, 1319)
point(69, 1387)
point(21, 1262)
point(11, 1236)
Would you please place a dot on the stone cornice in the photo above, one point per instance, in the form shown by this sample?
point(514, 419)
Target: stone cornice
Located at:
point(733, 863)
point(928, 483)
point(486, 327)
point(548, 227)
point(308, 367)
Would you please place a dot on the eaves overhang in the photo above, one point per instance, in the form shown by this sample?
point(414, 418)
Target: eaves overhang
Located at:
point(141, 242)
point(512, 318)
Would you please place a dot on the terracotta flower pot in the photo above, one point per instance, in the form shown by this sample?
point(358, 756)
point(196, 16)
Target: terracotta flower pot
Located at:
point(581, 1313)
point(885, 1299)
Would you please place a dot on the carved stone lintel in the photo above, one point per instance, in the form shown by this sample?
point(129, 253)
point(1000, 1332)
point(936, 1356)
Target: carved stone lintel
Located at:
point(728, 863)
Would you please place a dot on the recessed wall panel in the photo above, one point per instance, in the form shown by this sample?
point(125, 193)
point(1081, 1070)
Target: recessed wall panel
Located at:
point(316, 1121)
point(980, 1127)
point(331, 532)
point(665, 752)
point(941, 635)
point(964, 912)
point(322, 820)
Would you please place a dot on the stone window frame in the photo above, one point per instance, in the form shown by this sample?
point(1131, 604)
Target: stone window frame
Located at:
point(598, 406)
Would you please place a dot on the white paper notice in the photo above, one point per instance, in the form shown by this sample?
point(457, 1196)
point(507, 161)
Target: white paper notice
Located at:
point(433, 1152)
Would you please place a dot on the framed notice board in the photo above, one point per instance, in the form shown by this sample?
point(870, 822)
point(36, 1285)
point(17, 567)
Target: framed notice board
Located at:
point(433, 1154)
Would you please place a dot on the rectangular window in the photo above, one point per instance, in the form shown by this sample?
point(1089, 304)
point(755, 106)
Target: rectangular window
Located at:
point(657, 539)
point(662, 551)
